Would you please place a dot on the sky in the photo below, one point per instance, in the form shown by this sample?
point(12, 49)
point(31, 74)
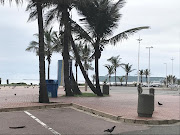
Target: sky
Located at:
point(162, 16)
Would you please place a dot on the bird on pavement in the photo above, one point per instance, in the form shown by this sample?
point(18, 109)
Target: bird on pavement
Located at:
point(110, 130)
point(159, 103)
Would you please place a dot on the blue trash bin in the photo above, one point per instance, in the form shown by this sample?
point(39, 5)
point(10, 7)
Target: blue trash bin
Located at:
point(52, 87)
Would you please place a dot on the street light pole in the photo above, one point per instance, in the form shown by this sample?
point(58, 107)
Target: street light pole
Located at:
point(149, 64)
point(166, 74)
point(172, 70)
point(139, 40)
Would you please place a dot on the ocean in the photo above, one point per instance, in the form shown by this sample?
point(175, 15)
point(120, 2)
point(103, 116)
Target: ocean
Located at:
point(131, 79)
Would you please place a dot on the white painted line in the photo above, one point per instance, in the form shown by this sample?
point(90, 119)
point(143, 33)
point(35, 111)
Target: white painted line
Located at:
point(42, 123)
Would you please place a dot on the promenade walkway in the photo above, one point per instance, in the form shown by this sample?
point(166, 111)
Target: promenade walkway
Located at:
point(120, 104)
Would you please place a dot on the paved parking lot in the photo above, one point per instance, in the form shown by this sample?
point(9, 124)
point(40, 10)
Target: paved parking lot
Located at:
point(60, 121)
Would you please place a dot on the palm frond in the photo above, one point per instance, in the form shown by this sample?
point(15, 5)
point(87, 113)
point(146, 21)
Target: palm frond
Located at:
point(125, 35)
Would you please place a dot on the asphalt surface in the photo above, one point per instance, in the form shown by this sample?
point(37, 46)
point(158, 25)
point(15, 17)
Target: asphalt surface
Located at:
point(63, 120)
point(73, 122)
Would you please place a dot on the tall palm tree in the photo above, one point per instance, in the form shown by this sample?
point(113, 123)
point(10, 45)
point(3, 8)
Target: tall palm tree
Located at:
point(128, 69)
point(146, 73)
point(116, 63)
point(85, 53)
point(110, 69)
point(101, 18)
point(48, 47)
point(35, 6)
point(141, 73)
point(60, 11)
point(79, 47)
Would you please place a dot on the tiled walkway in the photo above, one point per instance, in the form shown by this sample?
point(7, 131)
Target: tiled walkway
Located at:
point(119, 104)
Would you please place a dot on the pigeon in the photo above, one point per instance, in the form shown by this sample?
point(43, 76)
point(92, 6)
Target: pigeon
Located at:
point(159, 103)
point(110, 130)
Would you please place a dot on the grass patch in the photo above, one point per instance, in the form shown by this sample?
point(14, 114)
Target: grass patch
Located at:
point(87, 95)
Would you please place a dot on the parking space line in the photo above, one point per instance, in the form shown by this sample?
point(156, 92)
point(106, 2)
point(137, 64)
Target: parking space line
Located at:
point(42, 123)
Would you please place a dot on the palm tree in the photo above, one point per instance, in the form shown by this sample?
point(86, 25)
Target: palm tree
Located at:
point(85, 53)
point(60, 11)
point(141, 73)
point(116, 63)
point(121, 79)
point(17, 1)
point(48, 48)
point(110, 69)
point(128, 69)
point(43, 97)
point(36, 7)
point(101, 18)
point(171, 79)
point(146, 73)
point(79, 47)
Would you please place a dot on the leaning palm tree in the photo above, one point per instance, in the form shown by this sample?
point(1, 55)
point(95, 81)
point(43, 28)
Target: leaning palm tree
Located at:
point(116, 63)
point(110, 69)
point(35, 6)
point(101, 17)
point(146, 73)
point(128, 69)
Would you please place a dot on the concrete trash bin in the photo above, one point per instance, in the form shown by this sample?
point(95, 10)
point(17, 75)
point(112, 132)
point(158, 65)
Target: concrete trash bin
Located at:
point(52, 87)
point(145, 105)
point(106, 89)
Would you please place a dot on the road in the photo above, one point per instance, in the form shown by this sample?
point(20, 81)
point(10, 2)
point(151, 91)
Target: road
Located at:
point(70, 121)
point(133, 90)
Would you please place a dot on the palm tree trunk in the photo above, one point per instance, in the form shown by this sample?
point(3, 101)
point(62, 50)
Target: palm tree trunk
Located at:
point(115, 77)
point(76, 72)
point(48, 70)
point(126, 79)
point(43, 96)
point(97, 56)
point(82, 69)
point(75, 87)
point(65, 15)
point(110, 80)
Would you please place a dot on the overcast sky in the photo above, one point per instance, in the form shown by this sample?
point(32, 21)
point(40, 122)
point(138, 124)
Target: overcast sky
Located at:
point(161, 15)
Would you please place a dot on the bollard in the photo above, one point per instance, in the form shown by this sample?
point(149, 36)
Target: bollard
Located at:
point(151, 91)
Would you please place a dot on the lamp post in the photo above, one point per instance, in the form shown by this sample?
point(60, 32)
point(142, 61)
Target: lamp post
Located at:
point(149, 64)
point(172, 70)
point(139, 40)
point(166, 74)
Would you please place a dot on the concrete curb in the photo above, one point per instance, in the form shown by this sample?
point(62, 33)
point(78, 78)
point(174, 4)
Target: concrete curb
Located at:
point(43, 106)
point(123, 119)
point(93, 111)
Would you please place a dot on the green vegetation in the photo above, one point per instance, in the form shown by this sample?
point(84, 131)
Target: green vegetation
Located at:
point(88, 95)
